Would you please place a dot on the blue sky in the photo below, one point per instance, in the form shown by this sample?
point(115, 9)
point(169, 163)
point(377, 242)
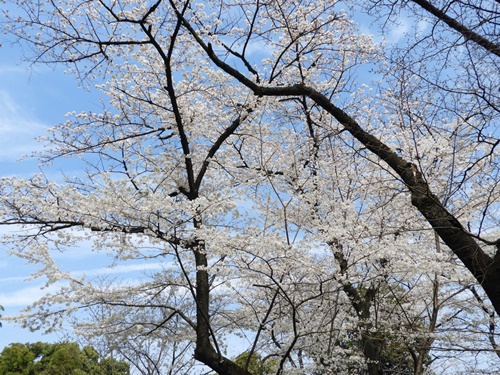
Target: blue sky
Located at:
point(30, 101)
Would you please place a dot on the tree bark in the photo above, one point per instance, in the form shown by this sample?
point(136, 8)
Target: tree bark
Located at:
point(204, 350)
point(361, 303)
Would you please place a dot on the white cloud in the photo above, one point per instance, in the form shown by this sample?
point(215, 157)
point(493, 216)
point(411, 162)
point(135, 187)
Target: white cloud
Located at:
point(137, 267)
point(17, 129)
point(24, 296)
point(399, 30)
point(422, 26)
point(10, 69)
point(13, 278)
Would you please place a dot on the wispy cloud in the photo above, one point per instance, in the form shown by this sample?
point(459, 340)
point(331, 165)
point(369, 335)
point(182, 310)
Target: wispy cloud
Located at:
point(4, 280)
point(399, 30)
point(17, 129)
point(9, 69)
point(24, 296)
point(120, 269)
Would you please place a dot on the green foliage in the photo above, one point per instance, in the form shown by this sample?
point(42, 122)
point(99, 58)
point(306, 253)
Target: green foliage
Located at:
point(16, 359)
point(64, 358)
point(256, 365)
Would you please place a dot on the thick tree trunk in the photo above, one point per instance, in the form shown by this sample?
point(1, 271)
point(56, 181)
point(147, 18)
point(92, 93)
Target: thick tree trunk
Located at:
point(204, 351)
point(361, 302)
point(371, 349)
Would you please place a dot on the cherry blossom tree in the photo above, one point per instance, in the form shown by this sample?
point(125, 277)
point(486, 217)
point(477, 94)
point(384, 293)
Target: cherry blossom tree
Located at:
point(327, 200)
